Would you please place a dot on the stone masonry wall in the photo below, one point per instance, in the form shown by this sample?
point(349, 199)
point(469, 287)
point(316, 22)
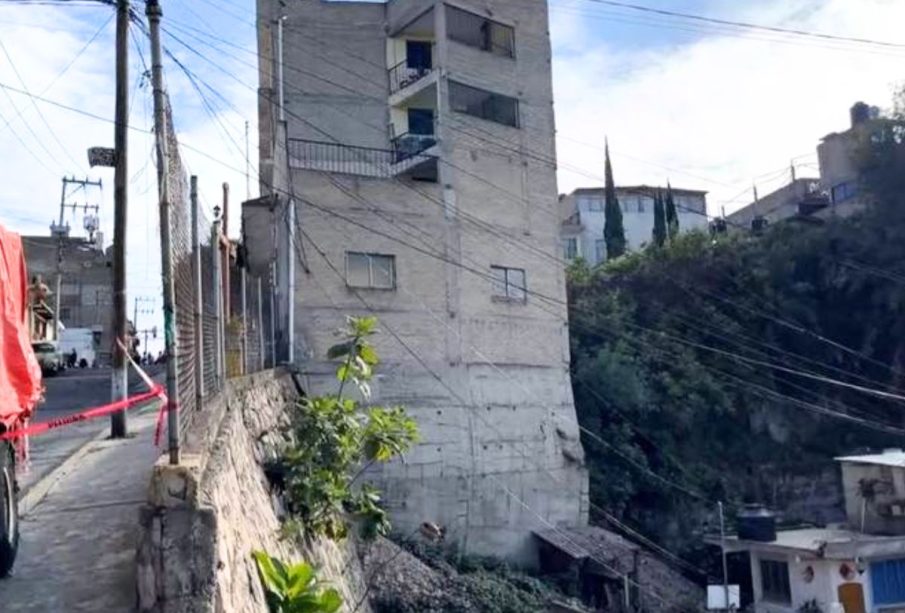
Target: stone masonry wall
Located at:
point(205, 517)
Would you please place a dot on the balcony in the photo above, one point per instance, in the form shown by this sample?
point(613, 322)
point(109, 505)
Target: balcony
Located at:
point(407, 158)
point(410, 145)
point(404, 75)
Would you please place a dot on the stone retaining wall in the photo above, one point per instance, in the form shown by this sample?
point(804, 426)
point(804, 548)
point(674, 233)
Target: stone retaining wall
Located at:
point(206, 516)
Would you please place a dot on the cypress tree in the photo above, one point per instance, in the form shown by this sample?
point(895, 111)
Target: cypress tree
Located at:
point(613, 229)
point(659, 234)
point(672, 216)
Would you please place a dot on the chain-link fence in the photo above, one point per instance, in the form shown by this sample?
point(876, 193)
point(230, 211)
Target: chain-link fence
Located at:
point(220, 310)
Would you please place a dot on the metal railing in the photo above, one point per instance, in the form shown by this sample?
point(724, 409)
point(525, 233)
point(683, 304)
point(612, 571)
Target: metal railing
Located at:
point(347, 159)
point(408, 145)
point(402, 75)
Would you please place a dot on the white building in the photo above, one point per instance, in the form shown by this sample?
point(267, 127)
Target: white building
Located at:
point(856, 568)
point(584, 218)
point(417, 144)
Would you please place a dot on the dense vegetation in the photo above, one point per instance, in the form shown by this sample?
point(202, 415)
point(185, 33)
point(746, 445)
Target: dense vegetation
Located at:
point(687, 358)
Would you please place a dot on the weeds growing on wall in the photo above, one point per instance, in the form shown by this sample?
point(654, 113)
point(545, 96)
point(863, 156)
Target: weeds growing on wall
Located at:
point(295, 588)
point(337, 438)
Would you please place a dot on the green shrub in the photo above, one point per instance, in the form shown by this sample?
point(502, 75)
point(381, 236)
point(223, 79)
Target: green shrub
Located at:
point(336, 440)
point(294, 589)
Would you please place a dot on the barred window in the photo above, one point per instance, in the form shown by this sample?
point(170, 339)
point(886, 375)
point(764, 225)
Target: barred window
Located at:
point(477, 31)
point(509, 284)
point(370, 270)
point(484, 104)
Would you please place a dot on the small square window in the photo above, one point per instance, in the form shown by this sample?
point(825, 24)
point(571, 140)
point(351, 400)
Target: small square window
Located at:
point(509, 284)
point(370, 270)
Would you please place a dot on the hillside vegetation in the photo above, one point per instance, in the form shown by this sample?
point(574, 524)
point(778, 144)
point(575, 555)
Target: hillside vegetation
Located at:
point(708, 368)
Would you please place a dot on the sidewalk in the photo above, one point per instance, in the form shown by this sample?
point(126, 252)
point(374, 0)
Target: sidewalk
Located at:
point(78, 534)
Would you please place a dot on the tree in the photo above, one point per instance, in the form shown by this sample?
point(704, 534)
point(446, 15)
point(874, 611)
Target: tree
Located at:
point(672, 216)
point(659, 234)
point(613, 230)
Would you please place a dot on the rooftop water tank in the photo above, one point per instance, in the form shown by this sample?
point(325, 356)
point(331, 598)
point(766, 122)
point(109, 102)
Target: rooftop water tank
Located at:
point(756, 523)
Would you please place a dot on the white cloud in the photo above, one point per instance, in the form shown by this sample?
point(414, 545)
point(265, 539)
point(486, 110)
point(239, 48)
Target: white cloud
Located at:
point(725, 108)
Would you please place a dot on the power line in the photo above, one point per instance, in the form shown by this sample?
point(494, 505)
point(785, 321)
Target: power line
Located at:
point(748, 25)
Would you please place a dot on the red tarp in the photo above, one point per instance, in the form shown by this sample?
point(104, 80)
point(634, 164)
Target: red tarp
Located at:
point(20, 374)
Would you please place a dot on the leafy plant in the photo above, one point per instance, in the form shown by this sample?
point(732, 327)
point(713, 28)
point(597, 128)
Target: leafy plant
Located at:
point(294, 589)
point(336, 439)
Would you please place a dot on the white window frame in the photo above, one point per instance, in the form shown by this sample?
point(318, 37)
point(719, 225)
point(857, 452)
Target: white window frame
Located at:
point(371, 256)
point(511, 292)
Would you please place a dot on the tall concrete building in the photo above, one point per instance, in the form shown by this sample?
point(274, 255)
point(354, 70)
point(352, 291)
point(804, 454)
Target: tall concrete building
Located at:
point(408, 147)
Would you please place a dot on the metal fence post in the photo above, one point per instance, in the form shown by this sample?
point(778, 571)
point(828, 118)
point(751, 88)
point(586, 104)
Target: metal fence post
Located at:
point(218, 302)
point(262, 356)
point(242, 288)
point(197, 295)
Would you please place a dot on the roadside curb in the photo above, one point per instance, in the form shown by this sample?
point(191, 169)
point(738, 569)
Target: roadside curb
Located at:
point(33, 495)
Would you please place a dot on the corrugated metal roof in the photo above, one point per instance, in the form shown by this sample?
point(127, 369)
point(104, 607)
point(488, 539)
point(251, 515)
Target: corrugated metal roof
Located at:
point(891, 457)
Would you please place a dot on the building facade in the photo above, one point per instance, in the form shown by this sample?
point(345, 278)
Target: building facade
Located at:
point(409, 150)
point(856, 566)
point(840, 189)
point(581, 232)
point(86, 288)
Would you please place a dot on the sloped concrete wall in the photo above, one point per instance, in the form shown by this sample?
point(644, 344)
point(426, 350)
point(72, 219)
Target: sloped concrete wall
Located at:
point(205, 517)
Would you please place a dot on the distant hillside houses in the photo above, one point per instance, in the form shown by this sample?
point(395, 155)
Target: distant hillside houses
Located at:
point(583, 215)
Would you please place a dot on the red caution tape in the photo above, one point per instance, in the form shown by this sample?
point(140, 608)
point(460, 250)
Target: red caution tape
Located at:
point(157, 391)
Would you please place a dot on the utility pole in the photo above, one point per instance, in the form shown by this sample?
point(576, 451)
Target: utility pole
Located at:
point(119, 387)
point(154, 13)
point(136, 310)
point(723, 552)
point(792, 165)
point(247, 165)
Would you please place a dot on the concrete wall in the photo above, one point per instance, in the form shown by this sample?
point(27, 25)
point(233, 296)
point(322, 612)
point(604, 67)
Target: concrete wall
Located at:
point(889, 488)
point(775, 206)
point(205, 517)
point(87, 284)
point(487, 380)
point(823, 588)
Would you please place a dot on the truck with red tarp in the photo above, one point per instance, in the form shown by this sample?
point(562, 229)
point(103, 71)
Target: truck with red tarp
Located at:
point(21, 387)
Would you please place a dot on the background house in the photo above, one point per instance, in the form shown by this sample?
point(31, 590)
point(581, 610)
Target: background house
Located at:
point(856, 567)
point(581, 232)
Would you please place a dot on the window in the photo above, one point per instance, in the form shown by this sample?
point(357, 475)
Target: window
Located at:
point(476, 31)
point(65, 313)
point(640, 204)
point(370, 270)
point(599, 250)
point(595, 203)
point(774, 580)
point(570, 248)
point(844, 191)
point(508, 283)
point(484, 104)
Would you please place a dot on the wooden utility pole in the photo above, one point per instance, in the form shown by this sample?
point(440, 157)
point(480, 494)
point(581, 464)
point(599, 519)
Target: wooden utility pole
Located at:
point(154, 13)
point(120, 383)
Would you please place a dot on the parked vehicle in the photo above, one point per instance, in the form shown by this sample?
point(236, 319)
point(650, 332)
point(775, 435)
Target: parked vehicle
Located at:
point(20, 384)
point(49, 357)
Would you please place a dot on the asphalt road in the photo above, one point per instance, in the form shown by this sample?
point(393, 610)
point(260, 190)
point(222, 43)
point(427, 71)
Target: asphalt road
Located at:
point(68, 393)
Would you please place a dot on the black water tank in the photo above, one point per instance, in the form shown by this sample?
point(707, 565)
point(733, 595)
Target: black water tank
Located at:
point(756, 523)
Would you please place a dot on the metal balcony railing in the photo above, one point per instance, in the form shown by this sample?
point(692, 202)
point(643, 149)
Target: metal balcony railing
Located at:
point(402, 75)
point(409, 145)
point(347, 159)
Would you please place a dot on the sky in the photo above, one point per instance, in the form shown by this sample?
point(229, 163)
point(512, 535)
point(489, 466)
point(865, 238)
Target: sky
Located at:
point(703, 106)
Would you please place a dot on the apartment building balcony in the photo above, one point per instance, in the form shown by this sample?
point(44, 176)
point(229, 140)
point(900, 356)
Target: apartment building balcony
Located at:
point(409, 157)
point(409, 78)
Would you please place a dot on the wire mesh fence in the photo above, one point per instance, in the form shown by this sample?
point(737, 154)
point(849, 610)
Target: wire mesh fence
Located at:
point(219, 308)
